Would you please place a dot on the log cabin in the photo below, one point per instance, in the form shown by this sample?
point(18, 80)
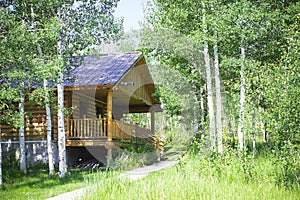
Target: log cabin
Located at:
point(97, 94)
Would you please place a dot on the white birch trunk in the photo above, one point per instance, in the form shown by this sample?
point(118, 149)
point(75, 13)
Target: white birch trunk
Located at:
point(253, 131)
point(22, 128)
point(49, 131)
point(262, 127)
point(196, 121)
point(218, 100)
point(242, 103)
point(203, 112)
point(195, 115)
point(61, 128)
point(261, 123)
point(212, 129)
point(49, 123)
point(22, 133)
point(1, 182)
point(60, 114)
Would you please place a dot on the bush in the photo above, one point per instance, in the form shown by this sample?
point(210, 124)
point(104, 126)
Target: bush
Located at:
point(288, 165)
point(10, 167)
point(133, 156)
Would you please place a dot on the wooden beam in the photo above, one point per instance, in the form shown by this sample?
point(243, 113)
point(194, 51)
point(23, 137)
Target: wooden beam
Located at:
point(87, 87)
point(83, 143)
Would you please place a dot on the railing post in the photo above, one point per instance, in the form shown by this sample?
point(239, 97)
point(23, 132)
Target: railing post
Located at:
point(70, 129)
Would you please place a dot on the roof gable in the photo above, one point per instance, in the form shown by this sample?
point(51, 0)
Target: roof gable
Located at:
point(103, 70)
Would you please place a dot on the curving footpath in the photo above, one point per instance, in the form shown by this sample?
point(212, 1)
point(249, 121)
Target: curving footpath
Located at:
point(132, 175)
point(144, 171)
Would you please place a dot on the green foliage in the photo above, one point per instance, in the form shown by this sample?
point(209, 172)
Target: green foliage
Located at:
point(140, 119)
point(269, 32)
point(279, 167)
point(170, 99)
point(8, 108)
point(288, 162)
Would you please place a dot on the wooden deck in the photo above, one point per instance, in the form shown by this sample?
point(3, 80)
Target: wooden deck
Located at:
point(93, 132)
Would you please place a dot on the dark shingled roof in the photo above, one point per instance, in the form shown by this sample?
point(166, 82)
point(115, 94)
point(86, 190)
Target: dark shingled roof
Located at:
point(102, 70)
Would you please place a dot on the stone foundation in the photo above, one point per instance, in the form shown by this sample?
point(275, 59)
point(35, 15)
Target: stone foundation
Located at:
point(36, 151)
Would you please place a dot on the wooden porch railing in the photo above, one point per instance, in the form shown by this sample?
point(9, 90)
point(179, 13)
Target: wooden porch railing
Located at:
point(87, 128)
point(96, 128)
point(124, 131)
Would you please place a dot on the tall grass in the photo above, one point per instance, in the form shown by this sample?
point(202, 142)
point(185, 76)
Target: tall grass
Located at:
point(199, 177)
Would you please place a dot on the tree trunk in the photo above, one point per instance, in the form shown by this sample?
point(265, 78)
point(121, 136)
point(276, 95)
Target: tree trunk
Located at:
point(203, 112)
point(196, 116)
point(242, 102)
point(60, 113)
point(218, 100)
point(22, 133)
point(61, 128)
point(195, 111)
point(212, 129)
point(1, 182)
point(253, 130)
point(261, 123)
point(49, 130)
point(49, 122)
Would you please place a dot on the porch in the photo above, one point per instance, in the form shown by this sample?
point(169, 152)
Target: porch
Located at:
point(94, 132)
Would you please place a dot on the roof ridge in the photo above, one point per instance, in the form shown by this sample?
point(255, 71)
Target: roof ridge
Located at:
point(114, 54)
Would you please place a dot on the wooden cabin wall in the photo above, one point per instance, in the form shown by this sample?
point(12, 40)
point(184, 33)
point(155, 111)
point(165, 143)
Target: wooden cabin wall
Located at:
point(139, 76)
point(85, 105)
point(35, 124)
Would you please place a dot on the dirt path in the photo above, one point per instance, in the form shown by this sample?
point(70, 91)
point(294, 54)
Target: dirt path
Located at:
point(132, 175)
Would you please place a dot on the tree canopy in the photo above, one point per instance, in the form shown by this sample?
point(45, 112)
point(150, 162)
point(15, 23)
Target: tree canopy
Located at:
point(268, 32)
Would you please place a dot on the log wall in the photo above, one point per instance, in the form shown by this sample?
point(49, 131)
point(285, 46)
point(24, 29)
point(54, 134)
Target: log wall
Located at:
point(35, 123)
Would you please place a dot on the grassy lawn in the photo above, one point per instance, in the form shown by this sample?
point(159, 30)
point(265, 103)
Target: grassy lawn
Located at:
point(37, 185)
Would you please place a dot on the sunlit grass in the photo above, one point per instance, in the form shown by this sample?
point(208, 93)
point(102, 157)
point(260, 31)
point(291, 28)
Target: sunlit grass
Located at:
point(197, 178)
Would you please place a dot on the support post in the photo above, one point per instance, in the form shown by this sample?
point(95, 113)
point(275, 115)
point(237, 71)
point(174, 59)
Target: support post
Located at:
point(156, 139)
point(152, 122)
point(109, 123)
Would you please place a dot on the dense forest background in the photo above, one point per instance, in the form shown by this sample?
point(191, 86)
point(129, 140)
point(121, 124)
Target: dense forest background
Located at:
point(228, 73)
